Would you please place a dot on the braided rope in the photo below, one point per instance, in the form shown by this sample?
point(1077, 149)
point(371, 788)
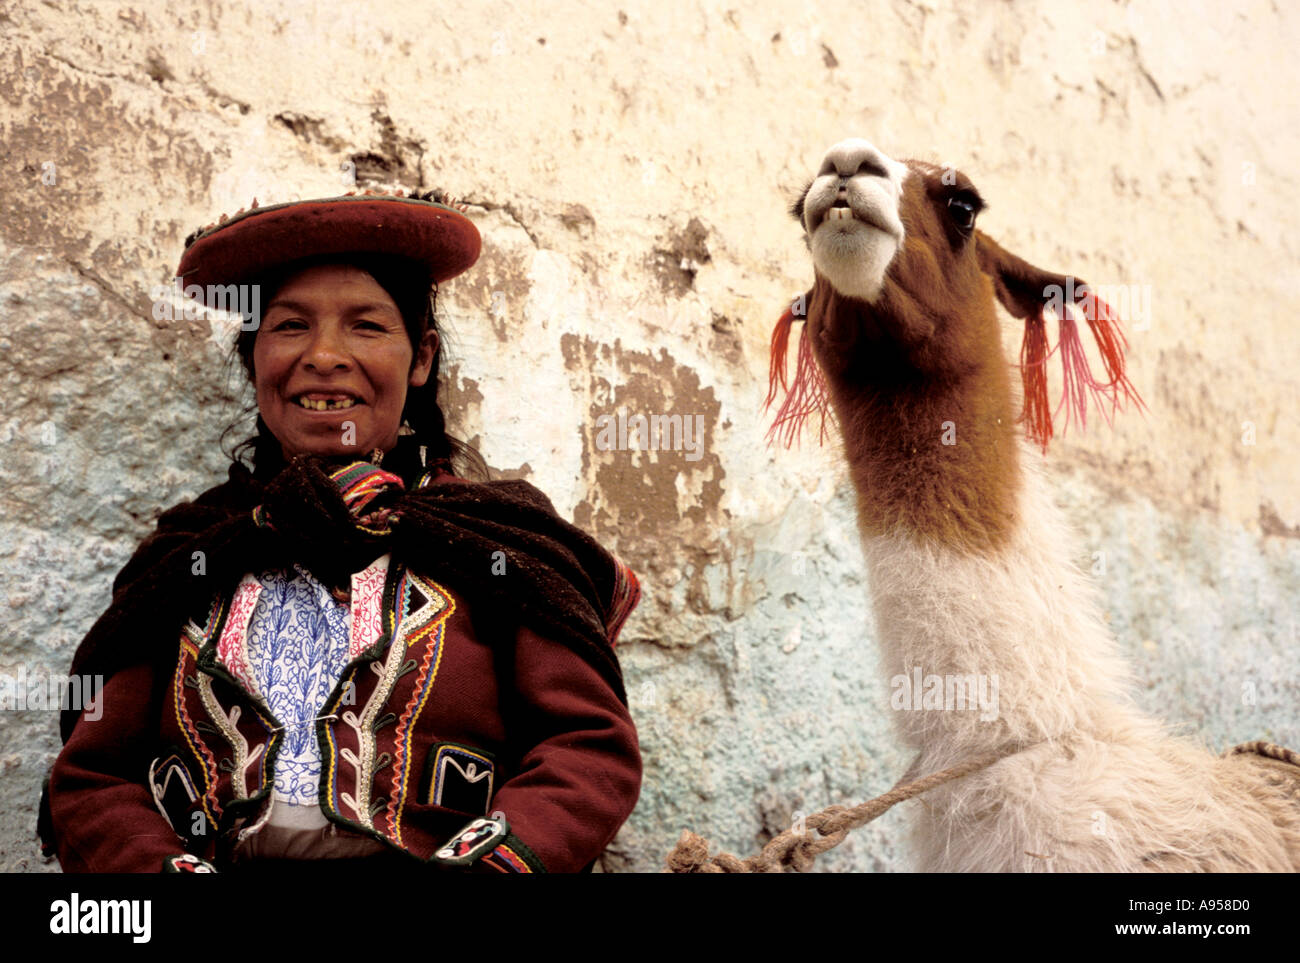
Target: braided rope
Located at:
point(1268, 749)
point(797, 848)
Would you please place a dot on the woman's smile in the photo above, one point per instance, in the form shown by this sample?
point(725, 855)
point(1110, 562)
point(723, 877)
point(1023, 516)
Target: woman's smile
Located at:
point(325, 401)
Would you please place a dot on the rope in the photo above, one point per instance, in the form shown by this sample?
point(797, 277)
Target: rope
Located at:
point(797, 848)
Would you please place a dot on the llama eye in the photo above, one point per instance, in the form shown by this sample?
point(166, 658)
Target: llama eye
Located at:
point(962, 210)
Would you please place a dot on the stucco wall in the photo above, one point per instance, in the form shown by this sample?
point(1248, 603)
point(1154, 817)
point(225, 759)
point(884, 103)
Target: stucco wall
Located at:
point(629, 167)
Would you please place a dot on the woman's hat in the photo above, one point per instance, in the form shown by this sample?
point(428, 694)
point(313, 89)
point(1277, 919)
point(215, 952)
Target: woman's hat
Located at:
point(426, 229)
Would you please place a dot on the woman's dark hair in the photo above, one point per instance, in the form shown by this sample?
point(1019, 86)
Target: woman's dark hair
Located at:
point(408, 284)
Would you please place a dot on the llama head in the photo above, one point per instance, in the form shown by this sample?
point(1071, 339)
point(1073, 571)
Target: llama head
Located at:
point(905, 287)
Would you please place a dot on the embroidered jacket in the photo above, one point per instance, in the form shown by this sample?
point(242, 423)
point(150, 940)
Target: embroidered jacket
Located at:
point(429, 727)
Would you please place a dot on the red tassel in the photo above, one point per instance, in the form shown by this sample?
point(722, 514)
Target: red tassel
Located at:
point(1033, 372)
point(1112, 345)
point(776, 356)
point(807, 395)
point(1078, 381)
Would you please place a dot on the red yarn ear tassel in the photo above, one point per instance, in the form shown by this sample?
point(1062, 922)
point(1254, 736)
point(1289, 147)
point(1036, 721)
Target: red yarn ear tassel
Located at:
point(807, 394)
point(776, 356)
point(1033, 372)
point(1112, 345)
point(1078, 381)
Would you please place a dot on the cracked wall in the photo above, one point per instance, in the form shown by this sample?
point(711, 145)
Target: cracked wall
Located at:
point(629, 168)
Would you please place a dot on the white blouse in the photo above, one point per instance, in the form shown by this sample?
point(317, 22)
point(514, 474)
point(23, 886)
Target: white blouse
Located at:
point(298, 640)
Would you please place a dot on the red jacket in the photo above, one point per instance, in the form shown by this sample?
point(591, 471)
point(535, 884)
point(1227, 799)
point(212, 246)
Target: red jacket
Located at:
point(186, 764)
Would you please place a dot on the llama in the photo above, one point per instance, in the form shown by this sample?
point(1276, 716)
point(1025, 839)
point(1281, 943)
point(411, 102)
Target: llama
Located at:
point(968, 573)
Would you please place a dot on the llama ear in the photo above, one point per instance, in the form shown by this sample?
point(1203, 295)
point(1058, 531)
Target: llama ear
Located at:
point(1027, 292)
point(1023, 289)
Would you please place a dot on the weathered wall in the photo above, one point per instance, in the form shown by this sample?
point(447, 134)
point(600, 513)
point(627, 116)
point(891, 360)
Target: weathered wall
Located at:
point(629, 168)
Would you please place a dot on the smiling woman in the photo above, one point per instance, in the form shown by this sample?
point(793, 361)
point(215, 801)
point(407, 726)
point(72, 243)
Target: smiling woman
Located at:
point(350, 652)
point(332, 361)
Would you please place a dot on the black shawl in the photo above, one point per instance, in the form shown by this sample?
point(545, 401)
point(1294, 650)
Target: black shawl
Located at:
point(557, 579)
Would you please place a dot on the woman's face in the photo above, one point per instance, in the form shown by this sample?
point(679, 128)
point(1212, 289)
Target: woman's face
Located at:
point(332, 363)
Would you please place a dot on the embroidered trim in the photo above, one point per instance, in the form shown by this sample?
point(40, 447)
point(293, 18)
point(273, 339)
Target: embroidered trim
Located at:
point(441, 607)
point(395, 665)
point(521, 852)
point(477, 838)
point(187, 863)
point(174, 766)
point(367, 606)
point(232, 647)
point(207, 667)
point(189, 656)
point(229, 726)
point(477, 766)
point(506, 860)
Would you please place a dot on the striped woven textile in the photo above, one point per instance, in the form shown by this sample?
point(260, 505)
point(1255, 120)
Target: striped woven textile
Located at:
point(360, 483)
point(627, 592)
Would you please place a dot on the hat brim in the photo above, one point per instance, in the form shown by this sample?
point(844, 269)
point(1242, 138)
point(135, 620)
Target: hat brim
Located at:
point(442, 239)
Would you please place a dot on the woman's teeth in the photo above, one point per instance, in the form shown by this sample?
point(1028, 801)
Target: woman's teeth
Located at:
point(323, 405)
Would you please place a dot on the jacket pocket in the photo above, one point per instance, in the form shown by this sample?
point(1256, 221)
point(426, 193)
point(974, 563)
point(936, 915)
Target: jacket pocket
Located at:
point(458, 777)
point(176, 797)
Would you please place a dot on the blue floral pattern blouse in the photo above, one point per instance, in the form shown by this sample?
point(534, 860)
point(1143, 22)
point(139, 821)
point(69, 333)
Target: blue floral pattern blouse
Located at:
point(297, 649)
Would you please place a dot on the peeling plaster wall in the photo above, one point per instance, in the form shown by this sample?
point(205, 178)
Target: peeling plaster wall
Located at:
point(629, 166)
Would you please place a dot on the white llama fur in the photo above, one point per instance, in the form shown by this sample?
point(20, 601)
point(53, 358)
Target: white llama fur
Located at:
point(1107, 788)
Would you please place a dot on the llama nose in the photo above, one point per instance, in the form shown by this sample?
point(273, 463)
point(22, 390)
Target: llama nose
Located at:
point(855, 156)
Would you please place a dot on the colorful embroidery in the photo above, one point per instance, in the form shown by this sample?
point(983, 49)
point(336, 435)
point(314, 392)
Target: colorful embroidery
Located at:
point(360, 484)
point(164, 774)
point(440, 608)
point(367, 603)
point(477, 838)
point(298, 642)
point(186, 864)
point(394, 666)
point(187, 661)
point(228, 723)
point(231, 649)
point(506, 860)
point(458, 777)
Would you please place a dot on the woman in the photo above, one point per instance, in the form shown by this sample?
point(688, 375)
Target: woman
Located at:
point(350, 653)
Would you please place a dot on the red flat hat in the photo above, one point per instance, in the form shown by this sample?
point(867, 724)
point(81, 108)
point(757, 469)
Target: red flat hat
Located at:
point(239, 248)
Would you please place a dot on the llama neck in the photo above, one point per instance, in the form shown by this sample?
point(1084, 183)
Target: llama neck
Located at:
point(1017, 624)
point(976, 595)
point(935, 457)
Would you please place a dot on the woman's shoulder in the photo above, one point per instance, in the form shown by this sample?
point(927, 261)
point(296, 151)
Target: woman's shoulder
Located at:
point(443, 482)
